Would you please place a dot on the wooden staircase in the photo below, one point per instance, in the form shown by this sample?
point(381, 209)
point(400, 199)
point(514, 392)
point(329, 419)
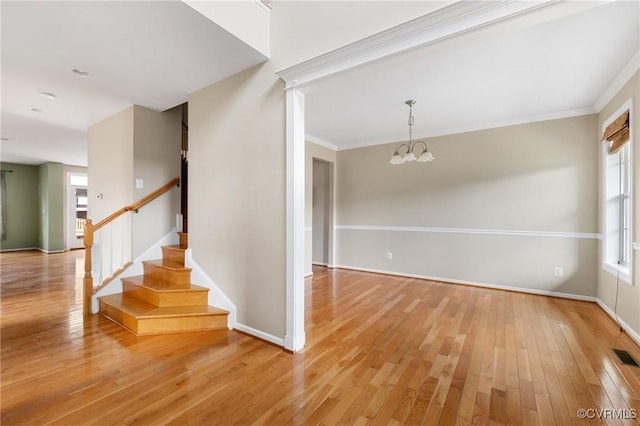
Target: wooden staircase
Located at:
point(163, 300)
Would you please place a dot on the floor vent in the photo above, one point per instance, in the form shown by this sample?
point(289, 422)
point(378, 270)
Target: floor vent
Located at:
point(626, 358)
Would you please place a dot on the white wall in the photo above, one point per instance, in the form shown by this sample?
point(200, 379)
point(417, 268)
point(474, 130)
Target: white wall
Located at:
point(302, 30)
point(247, 20)
point(537, 181)
point(628, 306)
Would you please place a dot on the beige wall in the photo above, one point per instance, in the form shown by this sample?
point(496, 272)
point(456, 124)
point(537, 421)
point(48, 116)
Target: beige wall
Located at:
point(110, 161)
point(136, 143)
point(537, 177)
point(629, 296)
point(237, 192)
point(318, 152)
point(321, 212)
point(156, 160)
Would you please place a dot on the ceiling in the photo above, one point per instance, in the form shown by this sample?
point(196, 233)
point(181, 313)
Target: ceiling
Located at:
point(519, 71)
point(149, 53)
point(155, 53)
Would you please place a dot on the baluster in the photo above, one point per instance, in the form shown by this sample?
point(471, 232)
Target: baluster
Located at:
point(88, 279)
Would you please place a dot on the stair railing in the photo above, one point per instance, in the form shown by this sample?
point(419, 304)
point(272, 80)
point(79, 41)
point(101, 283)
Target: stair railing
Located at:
point(109, 243)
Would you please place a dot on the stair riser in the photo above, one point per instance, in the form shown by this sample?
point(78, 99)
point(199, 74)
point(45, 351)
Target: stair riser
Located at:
point(172, 325)
point(181, 278)
point(173, 255)
point(162, 299)
point(184, 239)
point(122, 318)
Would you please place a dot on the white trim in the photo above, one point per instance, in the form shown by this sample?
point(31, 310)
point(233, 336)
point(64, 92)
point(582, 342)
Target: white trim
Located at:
point(636, 246)
point(580, 235)
point(321, 142)
point(266, 7)
point(627, 328)
point(621, 79)
point(626, 273)
point(453, 20)
point(50, 251)
point(310, 274)
point(20, 249)
point(319, 263)
point(308, 229)
point(475, 284)
point(485, 126)
point(260, 334)
point(39, 249)
point(295, 217)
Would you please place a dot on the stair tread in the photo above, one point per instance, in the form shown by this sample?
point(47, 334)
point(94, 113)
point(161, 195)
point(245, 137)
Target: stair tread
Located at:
point(175, 247)
point(139, 309)
point(166, 265)
point(160, 285)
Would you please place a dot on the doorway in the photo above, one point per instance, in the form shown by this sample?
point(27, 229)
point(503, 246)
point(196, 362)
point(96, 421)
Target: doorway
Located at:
point(77, 200)
point(323, 213)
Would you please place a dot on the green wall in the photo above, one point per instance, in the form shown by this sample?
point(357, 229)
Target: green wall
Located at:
point(22, 206)
point(35, 207)
point(51, 204)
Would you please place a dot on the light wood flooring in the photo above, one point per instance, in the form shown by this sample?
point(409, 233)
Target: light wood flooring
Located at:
point(380, 349)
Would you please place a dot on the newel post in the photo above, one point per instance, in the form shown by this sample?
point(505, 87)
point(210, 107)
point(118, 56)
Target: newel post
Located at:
point(88, 279)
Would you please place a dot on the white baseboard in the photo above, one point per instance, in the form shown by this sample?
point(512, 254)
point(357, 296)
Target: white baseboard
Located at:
point(20, 249)
point(310, 274)
point(50, 251)
point(260, 334)
point(319, 263)
point(476, 284)
point(630, 331)
point(33, 248)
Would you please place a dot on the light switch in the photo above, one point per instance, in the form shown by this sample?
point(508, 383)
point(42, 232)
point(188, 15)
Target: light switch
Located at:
point(139, 183)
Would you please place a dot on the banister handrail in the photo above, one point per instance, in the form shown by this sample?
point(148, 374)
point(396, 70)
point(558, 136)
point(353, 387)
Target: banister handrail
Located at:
point(138, 204)
point(90, 228)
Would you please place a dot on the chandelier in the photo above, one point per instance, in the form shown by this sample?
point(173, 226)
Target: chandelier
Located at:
point(409, 155)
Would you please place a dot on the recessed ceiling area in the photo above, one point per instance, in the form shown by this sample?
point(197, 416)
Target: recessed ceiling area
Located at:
point(524, 70)
point(149, 53)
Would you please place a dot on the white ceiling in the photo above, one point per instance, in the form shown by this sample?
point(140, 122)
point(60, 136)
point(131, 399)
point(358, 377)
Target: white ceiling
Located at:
point(155, 53)
point(149, 53)
point(514, 72)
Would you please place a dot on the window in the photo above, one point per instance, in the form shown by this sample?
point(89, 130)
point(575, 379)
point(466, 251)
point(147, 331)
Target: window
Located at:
point(617, 155)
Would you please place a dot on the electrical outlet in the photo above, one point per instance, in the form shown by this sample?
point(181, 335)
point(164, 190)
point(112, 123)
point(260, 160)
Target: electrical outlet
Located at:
point(389, 255)
point(558, 271)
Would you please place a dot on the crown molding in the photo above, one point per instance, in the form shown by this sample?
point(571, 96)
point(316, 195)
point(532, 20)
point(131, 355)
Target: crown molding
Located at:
point(621, 79)
point(321, 142)
point(450, 21)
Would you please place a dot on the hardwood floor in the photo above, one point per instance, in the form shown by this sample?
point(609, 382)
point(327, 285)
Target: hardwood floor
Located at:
point(381, 349)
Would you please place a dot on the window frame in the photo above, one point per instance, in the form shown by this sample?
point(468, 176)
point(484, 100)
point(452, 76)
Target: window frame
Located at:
point(625, 208)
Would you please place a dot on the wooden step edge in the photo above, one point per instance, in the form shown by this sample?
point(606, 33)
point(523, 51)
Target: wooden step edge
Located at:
point(119, 302)
point(175, 247)
point(172, 267)
point(193, 287)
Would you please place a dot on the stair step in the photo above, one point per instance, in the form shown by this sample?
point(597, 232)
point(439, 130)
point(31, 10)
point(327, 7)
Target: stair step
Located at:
point(184, 239)
point(171, 272)
point(173, 254)
point(143, 318)
point(161, 293)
